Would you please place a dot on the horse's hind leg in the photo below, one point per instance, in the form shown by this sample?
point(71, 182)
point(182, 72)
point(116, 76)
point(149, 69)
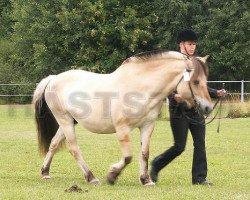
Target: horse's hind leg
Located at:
point(75, 151)
point(146, 132)
point(115, 169)
point(57, 139)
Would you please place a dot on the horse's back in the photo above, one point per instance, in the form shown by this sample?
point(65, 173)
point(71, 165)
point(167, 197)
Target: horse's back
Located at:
point(81, 77)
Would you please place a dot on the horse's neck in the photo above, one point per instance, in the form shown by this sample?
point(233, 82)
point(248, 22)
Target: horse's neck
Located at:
point(173, 78)
point(166, 78)
point(167, 75)
point(156, 79)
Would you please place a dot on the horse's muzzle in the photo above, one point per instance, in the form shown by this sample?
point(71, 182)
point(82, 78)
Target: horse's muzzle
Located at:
point(205, 107)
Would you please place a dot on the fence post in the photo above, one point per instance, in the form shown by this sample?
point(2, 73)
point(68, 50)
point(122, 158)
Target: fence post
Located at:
point(242, 91)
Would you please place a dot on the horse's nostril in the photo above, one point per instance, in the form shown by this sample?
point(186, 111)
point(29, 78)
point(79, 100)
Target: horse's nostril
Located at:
point(207, 109)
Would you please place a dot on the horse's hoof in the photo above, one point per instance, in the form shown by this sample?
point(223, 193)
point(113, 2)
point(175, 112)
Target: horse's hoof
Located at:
point(46, 177)
point(111, 180)
point(95, 182)
point(112, 176)
point(149, 184)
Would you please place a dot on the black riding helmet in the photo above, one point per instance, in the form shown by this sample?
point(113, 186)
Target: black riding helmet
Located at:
point(186, 35)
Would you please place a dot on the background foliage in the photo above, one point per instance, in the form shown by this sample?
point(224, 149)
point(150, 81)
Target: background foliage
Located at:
point(38, 38)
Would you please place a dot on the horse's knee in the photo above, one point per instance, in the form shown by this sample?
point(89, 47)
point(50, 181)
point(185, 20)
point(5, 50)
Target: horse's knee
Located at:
point(128, 160)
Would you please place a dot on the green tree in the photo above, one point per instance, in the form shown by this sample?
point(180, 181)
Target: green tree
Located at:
point(223, 29)
point(5, 18)
point(225, 36)
point(39, 38)
point(6, 47)
point(52, 36)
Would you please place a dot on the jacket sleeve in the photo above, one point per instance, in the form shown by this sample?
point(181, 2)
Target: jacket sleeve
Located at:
point(212, 92)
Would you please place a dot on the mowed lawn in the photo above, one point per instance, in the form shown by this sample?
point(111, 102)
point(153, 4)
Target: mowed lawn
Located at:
point(228, 163)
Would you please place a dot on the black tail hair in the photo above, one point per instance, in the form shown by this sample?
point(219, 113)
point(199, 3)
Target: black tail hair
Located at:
point(47, 125)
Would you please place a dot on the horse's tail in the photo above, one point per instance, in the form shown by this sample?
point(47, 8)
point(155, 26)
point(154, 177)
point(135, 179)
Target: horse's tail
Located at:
point(46, 123)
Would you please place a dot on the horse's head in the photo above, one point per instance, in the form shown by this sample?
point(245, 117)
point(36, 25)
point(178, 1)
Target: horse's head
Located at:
point(193, 86)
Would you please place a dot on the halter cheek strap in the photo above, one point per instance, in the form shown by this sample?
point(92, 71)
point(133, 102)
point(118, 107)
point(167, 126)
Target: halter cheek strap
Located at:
point(186, 78)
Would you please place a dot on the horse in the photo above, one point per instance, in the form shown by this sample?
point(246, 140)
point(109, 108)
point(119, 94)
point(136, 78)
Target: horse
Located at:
point(128, 98)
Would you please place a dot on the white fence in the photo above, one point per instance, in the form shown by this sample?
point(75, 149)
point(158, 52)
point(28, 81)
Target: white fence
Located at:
point(9, 85)
point(242, 88)
point(239, 90)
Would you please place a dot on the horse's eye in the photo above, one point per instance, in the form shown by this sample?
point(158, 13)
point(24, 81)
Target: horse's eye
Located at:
point(196, 82)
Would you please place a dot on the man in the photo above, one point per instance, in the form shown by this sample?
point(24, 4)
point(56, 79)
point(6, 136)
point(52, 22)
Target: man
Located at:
point(183, 119)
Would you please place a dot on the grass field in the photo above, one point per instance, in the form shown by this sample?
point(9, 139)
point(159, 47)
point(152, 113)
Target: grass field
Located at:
point(228, 162)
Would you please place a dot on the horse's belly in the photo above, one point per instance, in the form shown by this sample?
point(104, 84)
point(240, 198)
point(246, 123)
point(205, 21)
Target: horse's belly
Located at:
point(103, 127)
point(91, 112)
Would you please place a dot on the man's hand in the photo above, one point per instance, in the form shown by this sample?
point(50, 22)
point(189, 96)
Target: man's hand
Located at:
point(221, 93)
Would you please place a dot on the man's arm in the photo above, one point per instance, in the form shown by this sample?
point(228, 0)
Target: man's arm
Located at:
point(214, 93)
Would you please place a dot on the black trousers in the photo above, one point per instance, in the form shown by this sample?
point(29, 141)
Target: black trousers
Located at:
point(180, 125)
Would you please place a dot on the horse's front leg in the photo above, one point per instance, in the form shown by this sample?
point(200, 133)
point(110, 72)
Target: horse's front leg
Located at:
point(115, 169)
point(146, 132)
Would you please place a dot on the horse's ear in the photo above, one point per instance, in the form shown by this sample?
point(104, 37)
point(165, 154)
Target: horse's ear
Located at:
point(203, 59)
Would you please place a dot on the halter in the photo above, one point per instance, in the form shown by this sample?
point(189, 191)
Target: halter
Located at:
point(186, 77)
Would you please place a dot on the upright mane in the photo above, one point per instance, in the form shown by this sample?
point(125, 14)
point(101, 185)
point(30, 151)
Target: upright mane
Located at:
point(200, 67)
point(156, 54)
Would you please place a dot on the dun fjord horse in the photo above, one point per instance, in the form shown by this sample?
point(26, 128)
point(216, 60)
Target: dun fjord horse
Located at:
point(130, 97)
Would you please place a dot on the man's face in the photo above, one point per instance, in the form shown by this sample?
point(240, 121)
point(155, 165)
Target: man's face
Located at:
point(188, 47)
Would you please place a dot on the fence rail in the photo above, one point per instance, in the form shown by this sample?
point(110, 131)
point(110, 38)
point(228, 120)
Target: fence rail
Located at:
point(12, 85)
point(240, 92)
point(242, 86)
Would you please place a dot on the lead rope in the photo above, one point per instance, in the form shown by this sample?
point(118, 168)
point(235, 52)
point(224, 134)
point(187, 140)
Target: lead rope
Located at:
point(220, 99)
point(218, 111)
point(220, 106)
point(218, 128)
point(202, 122)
